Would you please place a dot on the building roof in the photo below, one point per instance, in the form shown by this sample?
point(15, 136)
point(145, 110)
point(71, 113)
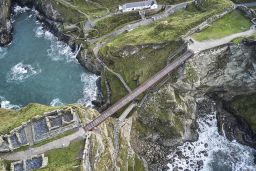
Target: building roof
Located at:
point(140, 4)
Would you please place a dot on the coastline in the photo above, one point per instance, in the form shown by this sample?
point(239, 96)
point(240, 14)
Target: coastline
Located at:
point(52, 26)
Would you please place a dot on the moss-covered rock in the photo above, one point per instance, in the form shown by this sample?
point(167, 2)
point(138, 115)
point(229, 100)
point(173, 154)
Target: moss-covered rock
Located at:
point(109, 148)
point(244, 106)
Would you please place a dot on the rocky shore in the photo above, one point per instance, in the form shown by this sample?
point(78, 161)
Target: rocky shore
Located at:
point(5, 22)
point(168, 116)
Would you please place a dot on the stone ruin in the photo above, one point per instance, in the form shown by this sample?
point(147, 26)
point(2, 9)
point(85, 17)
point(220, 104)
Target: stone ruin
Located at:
point(250, 13)
point(49, 125)
point(35, 162)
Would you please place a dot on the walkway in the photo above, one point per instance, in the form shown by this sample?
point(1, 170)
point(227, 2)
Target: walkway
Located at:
point(166, 13)
point(60, 143)
point(204, 45)
point(251, 4)
point(139, 90)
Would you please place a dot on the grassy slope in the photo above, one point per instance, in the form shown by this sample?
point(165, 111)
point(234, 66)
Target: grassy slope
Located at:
point(173, 27)
point(67, 159)
point(232, 23)
point(10, 119)
point(139, 67)
point(111, 23)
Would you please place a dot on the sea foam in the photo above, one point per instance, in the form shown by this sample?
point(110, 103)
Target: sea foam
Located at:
point(19, 9)
point(89, 89)
point(58, 50)
point(21, 72)
point(211, 151)
point(7, 104)
point(3, 52)
point(56, 102)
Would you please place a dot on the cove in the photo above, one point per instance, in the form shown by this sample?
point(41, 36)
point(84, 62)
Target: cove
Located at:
point(37, 68)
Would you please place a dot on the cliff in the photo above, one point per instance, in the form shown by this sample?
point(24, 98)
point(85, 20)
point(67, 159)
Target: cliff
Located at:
point(5, 23)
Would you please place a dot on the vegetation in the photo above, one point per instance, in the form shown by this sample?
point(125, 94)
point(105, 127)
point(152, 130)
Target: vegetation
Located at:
point(244, 106)
point(109, 24)
point(234, 22)
point(138, 67)
point(65, 159)
point(173, 27)
point(165, 35)
point(10, 119)
point(191, 75)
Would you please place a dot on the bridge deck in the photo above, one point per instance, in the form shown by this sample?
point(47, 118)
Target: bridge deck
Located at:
point(139, 90)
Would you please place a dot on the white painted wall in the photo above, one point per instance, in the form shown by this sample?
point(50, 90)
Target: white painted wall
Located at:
point(138, 8)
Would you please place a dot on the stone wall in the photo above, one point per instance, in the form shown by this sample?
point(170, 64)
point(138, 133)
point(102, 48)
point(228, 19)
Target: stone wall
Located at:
point(250, 13)
point(41, 128)
point(36, 162)
point(207, 22)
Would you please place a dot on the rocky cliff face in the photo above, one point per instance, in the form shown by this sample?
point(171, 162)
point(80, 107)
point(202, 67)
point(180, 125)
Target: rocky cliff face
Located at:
point(109, 148)
point(5, 23)
point(227, 75)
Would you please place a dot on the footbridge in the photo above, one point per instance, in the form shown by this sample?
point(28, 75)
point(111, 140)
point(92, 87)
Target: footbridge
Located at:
point(139, 90)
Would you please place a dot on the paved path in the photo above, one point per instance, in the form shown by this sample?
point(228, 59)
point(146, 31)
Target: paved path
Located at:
point(204, 45)
point(139, 90)
point(60, 143)
point(251, 4)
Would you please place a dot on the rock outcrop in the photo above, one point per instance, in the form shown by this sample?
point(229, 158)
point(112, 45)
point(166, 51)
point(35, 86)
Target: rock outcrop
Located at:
point(228, 75)
point(168, 118)
point(88, 61)
point(5, 23)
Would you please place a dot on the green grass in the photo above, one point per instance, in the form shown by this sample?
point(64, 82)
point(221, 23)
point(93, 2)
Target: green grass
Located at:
point(10, 119)
point(111, 23)
point(138, 67)
point(70, 15)
point(67, 159)
point(173, 27)
point(232, 23)
point(94, 10)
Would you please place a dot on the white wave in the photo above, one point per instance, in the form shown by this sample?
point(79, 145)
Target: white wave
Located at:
point(19, 9)
point(39, 31)
point(56, 102)
point(5, 104)
point(3, 52)
point(89, 89)
point(20, 72)
point(58, 50)
point(211, 150)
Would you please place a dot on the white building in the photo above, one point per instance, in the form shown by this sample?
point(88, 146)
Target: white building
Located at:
point(147, 4)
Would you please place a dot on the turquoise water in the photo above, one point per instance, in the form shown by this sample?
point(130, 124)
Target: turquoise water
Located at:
point(38, 68)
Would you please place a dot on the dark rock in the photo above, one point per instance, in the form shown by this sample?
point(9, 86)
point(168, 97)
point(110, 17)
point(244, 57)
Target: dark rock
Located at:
point(88, 61)
point(5, 23)
point(200, 163)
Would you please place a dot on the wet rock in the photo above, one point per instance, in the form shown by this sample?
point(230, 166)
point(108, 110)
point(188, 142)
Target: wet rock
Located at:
point(200, 164)
point(87, 60)
point(5, 23)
